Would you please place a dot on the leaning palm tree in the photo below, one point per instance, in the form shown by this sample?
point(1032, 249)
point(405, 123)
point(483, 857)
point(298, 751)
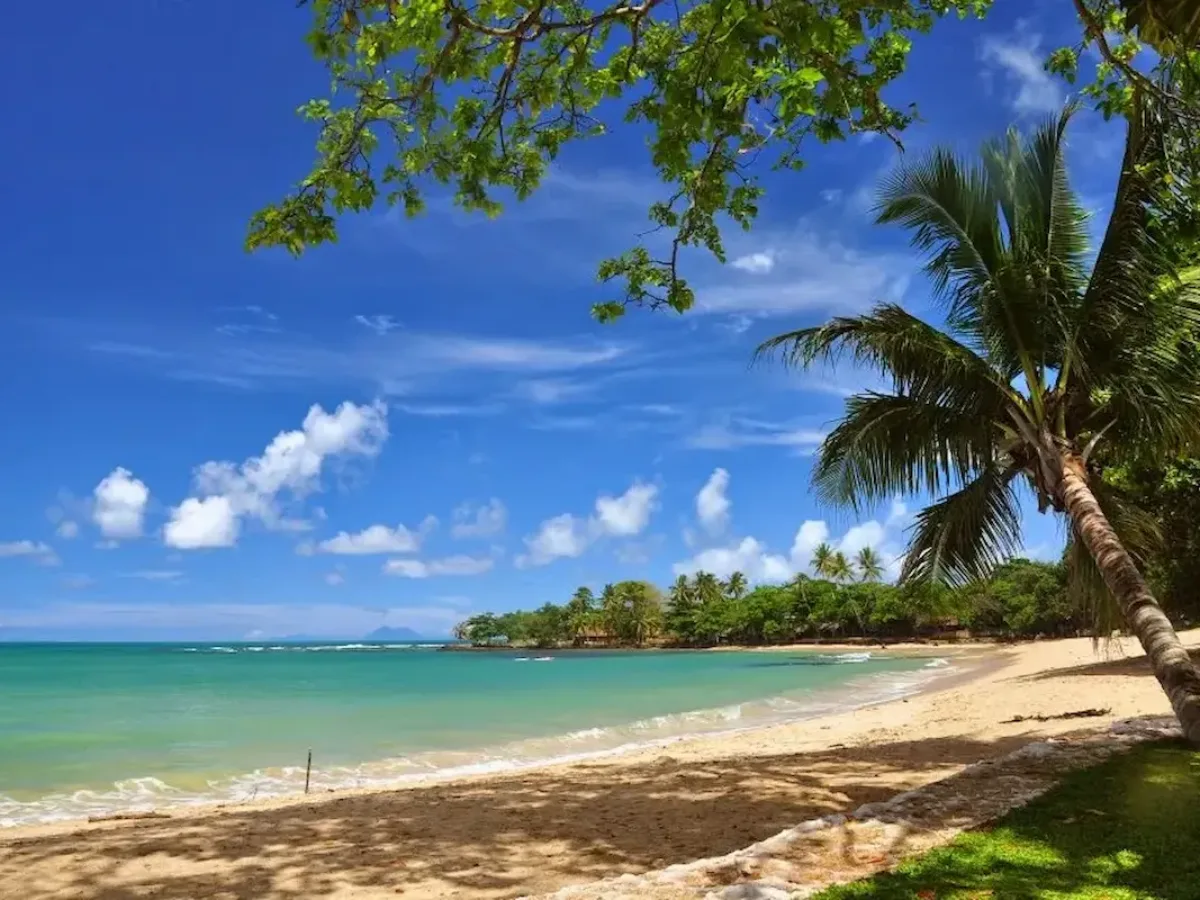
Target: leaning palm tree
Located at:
point(1040, 359)
point(869, 565)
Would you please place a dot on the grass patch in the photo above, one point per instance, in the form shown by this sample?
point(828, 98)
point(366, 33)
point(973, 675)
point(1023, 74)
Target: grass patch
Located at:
point(1128, 829)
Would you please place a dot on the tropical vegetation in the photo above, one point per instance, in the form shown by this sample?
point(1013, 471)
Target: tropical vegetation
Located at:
point(1020, 599)
point(483, 97)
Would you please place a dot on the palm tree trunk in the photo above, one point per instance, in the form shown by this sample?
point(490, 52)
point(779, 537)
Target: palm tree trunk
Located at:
point(1172, 666)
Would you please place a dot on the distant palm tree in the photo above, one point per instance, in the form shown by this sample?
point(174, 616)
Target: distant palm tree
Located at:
point(822, 560)
point(708, 588)
point(1046, 351)
point(735, 587)
point(839, 568)
point(869, 565)
point(580, 616)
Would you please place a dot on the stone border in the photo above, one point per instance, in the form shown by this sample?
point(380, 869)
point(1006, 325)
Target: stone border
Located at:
point(934, 813)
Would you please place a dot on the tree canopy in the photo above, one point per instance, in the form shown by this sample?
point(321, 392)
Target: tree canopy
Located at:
point(482, 97)
point(1021, 599)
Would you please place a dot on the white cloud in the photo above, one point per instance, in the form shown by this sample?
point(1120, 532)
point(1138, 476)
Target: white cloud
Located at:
point(754, 559)
point(756, 263)
point(482, 521)
point(748, 556)
point(730, 433)
point(628, 514)
point(156, 574)
point(292, 463)
point(67, 529)
point(399, 361)
point(809, 536)
point(202, 523)
point(712, 503)
point(42, 554)
point(375, 539)
point(567, 536)
point(333, 579)
point(119, 506)
point(381, 325)
point(448, 565)
point(564, 536)
point(545, 391)
point(814, 272)
point(1021, 57)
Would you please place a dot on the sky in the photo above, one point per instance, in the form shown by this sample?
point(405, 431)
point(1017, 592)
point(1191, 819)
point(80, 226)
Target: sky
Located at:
point(421, 421)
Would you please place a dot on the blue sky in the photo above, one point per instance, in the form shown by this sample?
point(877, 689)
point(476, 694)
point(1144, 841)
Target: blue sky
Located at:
point(421, 421)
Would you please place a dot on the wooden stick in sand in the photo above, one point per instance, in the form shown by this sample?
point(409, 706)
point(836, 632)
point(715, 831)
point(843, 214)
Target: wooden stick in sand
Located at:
point(308, 770)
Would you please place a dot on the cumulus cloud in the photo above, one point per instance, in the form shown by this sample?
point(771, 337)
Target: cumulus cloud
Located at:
point(448, 565)
point(753, 558)
point(755, 263)
point(292, 463)
point(568, 536)
point(374, 539)
point(199, 523)
point(481, 521)
point(119, 505)
point(628, 514)
point(712, 503)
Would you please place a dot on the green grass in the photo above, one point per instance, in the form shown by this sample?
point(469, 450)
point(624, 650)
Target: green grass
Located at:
point(1128, 829)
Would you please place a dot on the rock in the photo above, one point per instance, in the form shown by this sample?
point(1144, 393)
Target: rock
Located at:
point(752, 890)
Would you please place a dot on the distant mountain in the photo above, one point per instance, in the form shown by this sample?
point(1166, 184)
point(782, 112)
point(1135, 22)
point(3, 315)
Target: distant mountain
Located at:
point(393, 634)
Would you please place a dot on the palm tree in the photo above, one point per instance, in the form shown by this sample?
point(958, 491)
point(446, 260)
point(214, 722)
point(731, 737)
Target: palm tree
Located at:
point(822, 560)
point(735, 587)
point(579, 616)
point(839, 568)
point(869, 565)
point(1040, 359)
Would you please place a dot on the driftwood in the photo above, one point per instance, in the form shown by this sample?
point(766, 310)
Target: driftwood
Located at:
point(1077, 714)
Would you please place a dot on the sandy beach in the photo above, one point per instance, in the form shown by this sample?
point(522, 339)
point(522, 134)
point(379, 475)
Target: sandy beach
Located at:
point(535, 831)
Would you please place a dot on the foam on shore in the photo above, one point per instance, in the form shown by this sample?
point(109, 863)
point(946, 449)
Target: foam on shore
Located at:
point(147, 794)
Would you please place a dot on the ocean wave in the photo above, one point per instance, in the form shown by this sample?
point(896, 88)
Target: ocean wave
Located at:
point(138, 795)
point(310, 648)
point(853, 657)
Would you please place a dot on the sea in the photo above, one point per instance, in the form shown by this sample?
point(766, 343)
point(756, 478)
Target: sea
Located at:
point(90, 730)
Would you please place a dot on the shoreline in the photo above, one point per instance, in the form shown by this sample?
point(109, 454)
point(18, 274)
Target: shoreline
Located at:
point(879, 689)
point(537, 830)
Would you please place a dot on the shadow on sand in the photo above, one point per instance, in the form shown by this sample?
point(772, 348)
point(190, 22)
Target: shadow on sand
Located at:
point(500, 838)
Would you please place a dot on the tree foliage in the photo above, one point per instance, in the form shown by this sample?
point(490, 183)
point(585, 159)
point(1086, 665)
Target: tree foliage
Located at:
point(482, 97)
point(1020, 599)
point(1044, 354)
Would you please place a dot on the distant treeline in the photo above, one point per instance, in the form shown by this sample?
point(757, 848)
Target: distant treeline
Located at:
point(1021, 599)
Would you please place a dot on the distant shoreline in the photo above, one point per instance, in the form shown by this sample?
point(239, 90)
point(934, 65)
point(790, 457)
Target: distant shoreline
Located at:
point(840, 645)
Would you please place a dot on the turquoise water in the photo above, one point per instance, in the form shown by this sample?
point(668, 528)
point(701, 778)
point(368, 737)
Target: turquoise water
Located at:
point(88, 729)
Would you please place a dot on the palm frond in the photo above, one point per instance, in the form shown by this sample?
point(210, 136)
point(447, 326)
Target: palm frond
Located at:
point(1131, 264)
point(920, 360)
point(889, 444)
point(965, 535)
point(949, 206)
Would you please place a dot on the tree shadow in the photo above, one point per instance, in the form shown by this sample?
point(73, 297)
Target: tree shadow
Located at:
point(1138, 666)
point(528, 833)
point(1126, 828)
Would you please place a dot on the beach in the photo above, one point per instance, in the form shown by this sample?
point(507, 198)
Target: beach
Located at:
point(533, 831)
